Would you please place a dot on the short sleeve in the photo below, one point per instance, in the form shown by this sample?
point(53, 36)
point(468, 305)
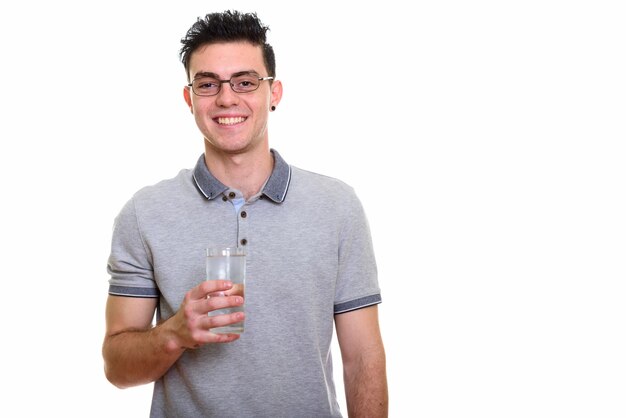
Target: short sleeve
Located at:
point(357, 279)
point(130, 264)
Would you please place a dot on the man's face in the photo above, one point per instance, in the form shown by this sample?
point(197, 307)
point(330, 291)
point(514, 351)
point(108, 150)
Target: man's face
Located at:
point(232, 122)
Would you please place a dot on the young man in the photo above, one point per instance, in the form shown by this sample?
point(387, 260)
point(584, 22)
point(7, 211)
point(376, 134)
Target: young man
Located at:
point(310, 262)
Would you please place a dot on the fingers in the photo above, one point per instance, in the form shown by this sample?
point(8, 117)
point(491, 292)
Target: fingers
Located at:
point(225, 338)
point(236, 290)
point(220, 302)
point(204, 335)
point(204, 306)
point(212, 338)
point(206, 287)
point(196, 324)
point(223, 320)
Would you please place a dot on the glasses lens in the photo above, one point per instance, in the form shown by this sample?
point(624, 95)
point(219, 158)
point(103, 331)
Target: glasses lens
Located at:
point(206, 86)
point(245, 83)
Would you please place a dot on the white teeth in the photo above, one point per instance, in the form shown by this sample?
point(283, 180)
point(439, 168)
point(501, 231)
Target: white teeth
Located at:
point(230, 121)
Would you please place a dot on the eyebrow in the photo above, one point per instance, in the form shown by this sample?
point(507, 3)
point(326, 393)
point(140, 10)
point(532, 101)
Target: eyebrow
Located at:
point(217, 77)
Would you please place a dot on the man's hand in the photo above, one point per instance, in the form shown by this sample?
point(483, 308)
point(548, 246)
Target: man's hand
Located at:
point(192, 325)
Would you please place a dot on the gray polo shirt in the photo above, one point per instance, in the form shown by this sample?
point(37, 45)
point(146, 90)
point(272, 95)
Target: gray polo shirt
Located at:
point(309, 257)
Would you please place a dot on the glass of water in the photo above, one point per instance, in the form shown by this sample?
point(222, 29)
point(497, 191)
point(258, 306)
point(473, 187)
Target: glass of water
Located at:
point(227, 263)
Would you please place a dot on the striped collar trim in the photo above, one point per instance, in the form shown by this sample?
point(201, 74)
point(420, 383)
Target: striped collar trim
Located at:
point(275, 188)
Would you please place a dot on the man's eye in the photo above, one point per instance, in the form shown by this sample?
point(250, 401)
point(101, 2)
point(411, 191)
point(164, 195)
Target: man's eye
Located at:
point(206, 84)
point(245, 84)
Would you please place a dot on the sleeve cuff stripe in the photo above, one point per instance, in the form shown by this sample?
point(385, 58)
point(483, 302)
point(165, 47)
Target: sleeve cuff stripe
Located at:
point(138, 292)
point(357, 304)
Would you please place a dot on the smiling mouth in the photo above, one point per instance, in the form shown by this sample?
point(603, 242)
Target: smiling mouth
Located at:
point(230, 121)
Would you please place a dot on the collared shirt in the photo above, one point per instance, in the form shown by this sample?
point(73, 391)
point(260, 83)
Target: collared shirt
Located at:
point(309, 257)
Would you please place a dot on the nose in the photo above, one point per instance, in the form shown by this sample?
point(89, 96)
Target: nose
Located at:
point(226, 97)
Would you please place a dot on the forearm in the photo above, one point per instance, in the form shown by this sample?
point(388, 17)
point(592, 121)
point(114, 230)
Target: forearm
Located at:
point(365, 382)
point(135, 357)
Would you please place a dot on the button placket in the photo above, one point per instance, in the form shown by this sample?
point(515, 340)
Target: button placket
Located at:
point(242, 221)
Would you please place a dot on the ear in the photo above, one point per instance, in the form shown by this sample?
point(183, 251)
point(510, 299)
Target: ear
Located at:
point(187, 95)
point(277, 93)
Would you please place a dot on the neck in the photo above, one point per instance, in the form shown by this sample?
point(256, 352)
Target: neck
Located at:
point(246, 171)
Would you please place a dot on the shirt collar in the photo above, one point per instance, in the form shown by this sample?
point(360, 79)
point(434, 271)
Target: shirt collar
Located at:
point(275, 188)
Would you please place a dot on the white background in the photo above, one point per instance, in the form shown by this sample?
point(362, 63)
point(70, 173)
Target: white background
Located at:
point(485, 139)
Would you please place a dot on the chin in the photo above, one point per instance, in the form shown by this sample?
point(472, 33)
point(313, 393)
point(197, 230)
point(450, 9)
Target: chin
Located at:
point(229, 148)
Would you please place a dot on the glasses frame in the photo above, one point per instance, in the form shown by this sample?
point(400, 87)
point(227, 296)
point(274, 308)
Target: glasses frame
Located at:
point(220, 82)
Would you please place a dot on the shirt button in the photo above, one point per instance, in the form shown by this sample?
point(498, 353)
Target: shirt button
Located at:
point(243, 214)
point(231, 195)
point(244, 241)
point(224, 198)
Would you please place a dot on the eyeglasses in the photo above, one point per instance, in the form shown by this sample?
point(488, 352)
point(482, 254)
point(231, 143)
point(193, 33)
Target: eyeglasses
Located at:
point(242, 83)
